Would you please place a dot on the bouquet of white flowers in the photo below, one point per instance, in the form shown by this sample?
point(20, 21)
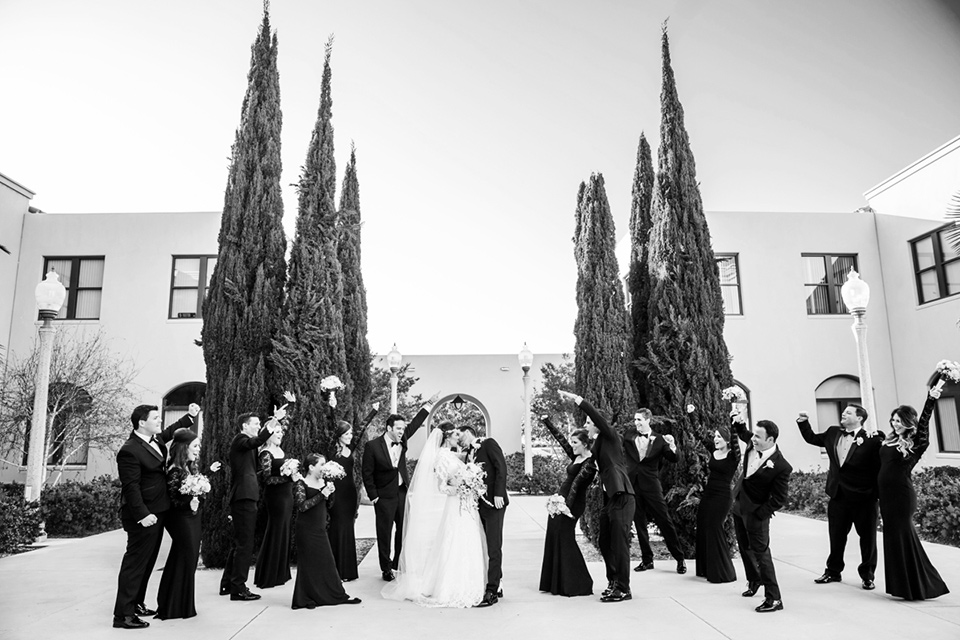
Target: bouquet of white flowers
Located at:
point(733, 394)
point(331, 470)
point(470, 486)
point(949, 372)
point(738, 398)
point(289, 467)
point(195, 484)
point(331, 383)
point(556, 505)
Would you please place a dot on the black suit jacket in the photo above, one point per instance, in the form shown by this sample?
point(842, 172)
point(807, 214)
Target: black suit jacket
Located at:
point(765, 492)
point(490, 455)
point(607, 450)
point(380, 477)
point(857, 477)
point(243, 465)
point(645, 474)
point(143, 477)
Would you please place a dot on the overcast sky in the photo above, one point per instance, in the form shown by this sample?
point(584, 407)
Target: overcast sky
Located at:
point(475, 122)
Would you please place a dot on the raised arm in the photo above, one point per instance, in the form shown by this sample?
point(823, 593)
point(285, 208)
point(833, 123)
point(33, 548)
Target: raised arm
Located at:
point(567, 449)
point(186, 421)
point(735, 429)
point(420, 417)
point(922, 440)
point(606, 431)
point(806, 431)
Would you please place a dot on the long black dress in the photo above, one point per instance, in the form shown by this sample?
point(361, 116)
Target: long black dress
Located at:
point(177, 584)
point(318, 582)
point(343, 511)
point(273, 561)
point(713, 551)
point(907, 570)
point(564, 571)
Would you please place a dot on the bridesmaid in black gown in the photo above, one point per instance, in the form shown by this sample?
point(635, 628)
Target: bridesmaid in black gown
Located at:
point(564, 571)
point(273, 560)
point(318, 583)
point(907, 571)
point(343, 510)
point(177, 585)
point(713, 551)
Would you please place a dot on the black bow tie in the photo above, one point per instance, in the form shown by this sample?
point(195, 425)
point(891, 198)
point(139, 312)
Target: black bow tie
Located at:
point(395, 444)
point(849, 433)
point(643, 435)
point(155, 440)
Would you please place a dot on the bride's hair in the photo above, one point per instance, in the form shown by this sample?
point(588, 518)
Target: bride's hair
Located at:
point(446, 428)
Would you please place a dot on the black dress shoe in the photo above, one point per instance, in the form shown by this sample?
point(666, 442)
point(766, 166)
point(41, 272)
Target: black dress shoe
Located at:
point(827, 578)
point(499, 593)
point(617, 595)
point(770, 605)
point(868, 585)
point(752, 588)
point(245, 596)
point(352, 601)
point(130, 622)
point(681, 566)
point(388, 576)
point(611, 586)
point(143, 611)
point(224, 590)
point(644, 566)
point(489, 599)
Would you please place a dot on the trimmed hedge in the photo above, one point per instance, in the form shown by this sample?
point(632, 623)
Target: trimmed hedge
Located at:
point(938, 501)
point(548, 474)
point(19, 520)
point(74, 509)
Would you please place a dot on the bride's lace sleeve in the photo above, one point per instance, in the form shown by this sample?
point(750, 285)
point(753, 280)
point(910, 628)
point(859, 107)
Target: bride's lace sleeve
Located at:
point(446, 469)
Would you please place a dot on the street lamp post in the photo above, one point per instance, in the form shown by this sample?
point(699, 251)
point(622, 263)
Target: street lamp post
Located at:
point(526, 361)
point(393, 361)
point(856, 295)
point(50, 295)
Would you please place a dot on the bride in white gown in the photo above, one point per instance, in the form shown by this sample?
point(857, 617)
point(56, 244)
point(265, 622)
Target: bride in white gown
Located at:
point(443, 562)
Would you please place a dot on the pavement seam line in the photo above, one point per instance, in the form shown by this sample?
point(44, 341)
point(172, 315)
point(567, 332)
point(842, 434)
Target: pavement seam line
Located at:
point(240, 630)
point(694, 614)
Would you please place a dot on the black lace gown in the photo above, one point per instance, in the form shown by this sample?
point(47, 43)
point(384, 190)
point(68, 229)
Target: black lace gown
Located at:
point(907, 571)
point(564, 571)
point(273, 560)
point(175, 598)
point(713, 551)
point(343, 511)
point(318, 583)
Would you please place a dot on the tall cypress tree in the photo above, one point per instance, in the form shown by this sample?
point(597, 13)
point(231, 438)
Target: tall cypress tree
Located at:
point(601, 350)
point(241, 313)
point(357, 348)
point(310, 346)
point(638, 279)
point(686, 364)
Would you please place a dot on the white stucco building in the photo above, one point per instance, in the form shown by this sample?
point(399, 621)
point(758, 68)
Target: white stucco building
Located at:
point(786, 329)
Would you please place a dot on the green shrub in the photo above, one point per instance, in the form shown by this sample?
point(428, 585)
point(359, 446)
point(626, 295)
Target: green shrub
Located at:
point(74, 509)
point(548, 474)
point(19, 521)
point(808, 496)
point(938, 504)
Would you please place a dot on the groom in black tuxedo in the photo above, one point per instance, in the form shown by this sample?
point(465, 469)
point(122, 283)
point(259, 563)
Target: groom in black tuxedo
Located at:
point(618, 501)
point(141, 465)
point(385, 478)
point(760, 493)
point(492, 505)
point(852, 486)
point(645, 452)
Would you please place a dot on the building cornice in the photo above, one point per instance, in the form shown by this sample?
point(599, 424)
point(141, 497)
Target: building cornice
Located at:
point(909, 170)
point(12, 184)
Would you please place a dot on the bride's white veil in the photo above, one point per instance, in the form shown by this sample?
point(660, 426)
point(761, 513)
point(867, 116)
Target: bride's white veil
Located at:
point(421, 521)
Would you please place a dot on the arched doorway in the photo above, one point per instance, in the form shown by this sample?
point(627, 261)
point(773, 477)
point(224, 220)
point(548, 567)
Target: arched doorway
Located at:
point(462, 409)
point(176, 401)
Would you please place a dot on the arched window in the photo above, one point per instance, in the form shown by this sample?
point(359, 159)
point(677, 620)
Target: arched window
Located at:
point(833, 396)
point(945, 414)
point(177, 400)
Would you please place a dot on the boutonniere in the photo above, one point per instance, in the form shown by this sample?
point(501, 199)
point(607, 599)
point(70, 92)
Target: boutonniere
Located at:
point(860, 441)
point(769, 464)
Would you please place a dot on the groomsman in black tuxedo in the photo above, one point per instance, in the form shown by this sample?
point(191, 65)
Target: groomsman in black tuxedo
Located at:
point(244, 494)
point(645, 452)
point(141, 465)
point(384, 472)
point(492, 505)
point(852, 486)
point(760, 493)
point(618, 501)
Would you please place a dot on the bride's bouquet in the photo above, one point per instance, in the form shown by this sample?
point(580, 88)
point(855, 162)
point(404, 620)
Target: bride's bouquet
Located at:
point(289, 467)
point(949, 371)
point(736, 396)
point(556, 505)
point(331, 470)
point(329, 386)
point(470, 486)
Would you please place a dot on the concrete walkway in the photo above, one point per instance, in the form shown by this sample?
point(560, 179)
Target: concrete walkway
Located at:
point(66, 590)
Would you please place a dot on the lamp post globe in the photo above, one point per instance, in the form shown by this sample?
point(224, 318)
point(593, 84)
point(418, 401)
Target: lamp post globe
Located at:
point(393, 362)
point(856, 296)
point(525, 358)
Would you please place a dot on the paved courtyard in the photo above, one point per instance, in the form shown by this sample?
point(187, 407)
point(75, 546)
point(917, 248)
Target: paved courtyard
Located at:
point(66, 590)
